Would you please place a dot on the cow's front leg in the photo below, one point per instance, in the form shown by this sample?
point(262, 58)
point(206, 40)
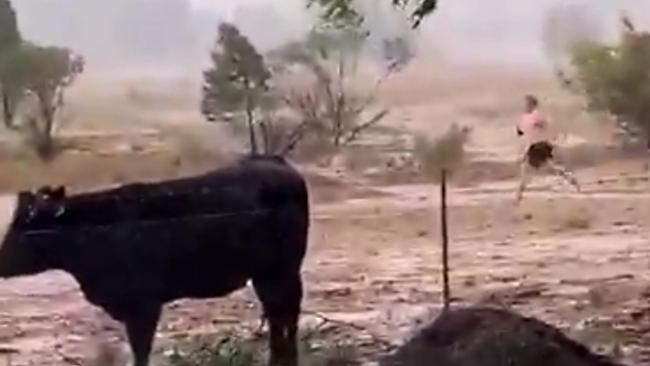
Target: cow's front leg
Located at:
point(141, 326)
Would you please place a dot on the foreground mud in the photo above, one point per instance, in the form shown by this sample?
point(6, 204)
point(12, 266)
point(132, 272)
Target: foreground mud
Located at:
point(491, 337)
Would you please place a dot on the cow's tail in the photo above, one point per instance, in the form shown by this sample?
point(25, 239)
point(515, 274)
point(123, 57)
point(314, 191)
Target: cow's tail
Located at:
point(299, 213)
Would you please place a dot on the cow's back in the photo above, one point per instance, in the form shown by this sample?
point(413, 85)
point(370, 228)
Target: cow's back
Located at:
point(250, 184)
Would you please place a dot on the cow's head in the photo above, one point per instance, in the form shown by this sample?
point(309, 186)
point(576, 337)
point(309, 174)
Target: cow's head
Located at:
point(21, 217)
point(40, 206)
point(47, 203)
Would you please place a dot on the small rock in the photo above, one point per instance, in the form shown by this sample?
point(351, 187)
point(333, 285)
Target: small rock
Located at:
point(344, 291)
point(469, 282)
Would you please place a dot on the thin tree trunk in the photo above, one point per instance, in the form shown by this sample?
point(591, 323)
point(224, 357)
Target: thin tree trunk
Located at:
point(647, 163)
point(46, 140)
point(7, 111)
point(266, 133)
point(251, 126)
point(251, 135)
point(445, 240)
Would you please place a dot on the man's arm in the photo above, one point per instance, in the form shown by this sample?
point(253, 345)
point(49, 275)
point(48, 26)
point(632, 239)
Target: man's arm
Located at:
point(520, 132)
point(522, 148)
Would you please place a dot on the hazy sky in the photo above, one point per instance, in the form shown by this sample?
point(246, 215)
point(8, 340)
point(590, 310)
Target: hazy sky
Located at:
point(492, 30)
point(504, 31)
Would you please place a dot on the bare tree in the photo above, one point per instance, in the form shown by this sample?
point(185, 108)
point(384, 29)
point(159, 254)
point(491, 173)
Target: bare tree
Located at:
point(329, 101)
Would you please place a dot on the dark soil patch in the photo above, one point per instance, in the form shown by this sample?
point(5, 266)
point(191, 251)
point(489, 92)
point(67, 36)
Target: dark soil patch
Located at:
point(492, 337)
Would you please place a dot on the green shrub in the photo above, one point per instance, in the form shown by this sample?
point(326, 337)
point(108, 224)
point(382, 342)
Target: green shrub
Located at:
point(615, 78)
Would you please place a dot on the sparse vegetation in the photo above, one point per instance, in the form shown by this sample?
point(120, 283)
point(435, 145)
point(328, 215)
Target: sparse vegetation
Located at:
point(235, 350)
point(330, 107)
point(308, 96)
point(615, 78)
point(329, 104)
point(445, 154)
point(231, 351)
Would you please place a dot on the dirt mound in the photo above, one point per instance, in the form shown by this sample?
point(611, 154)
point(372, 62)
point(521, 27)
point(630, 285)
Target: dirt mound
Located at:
point(492, 337)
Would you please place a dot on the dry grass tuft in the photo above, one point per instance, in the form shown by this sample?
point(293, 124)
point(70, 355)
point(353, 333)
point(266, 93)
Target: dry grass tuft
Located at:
point(445, 153)
point(575, 218)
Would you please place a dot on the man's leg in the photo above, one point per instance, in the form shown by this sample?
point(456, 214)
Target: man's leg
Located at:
point(563, 172)
point(524, 170)
point(647, 163)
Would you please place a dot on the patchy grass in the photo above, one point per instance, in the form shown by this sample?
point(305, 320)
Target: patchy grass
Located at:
point(231, 351)
point(236, 350)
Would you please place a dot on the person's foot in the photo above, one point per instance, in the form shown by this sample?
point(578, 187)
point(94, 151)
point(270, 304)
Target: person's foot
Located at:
point(518, 198)
point(575, 184)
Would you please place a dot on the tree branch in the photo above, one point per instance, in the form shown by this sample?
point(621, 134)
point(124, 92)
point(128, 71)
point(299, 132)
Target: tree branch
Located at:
point(355, 132)
point(325, 319)
point(294, 138)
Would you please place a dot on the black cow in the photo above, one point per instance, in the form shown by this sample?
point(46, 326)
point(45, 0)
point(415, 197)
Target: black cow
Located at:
point(134, 248)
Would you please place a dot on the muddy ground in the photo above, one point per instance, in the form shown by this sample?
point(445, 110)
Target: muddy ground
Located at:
point(577, 260)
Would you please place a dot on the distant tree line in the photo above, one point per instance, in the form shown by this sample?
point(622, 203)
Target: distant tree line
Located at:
point(30, 72)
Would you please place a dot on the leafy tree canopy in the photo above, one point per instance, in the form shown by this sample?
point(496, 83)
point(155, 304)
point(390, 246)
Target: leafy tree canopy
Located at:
point(237, 82)
point(238, 72)
point(615, 78)
point(9, 34)
point(342, 13)
point(39, 69)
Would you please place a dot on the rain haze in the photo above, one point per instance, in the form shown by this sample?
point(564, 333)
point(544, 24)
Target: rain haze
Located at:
point(373, 134)
point(177, 32)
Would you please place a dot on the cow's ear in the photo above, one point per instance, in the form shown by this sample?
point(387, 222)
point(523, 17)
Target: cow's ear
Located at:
point(58, 192)
point(25, 197)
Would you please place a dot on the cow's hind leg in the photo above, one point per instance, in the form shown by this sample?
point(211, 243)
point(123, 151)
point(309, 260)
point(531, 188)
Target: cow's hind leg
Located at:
point(281, 299)
point(141, 328)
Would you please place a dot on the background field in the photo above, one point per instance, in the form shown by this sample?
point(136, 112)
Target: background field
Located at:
point(579, 261)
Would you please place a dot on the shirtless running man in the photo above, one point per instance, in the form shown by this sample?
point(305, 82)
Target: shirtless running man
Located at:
point(538, 151)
